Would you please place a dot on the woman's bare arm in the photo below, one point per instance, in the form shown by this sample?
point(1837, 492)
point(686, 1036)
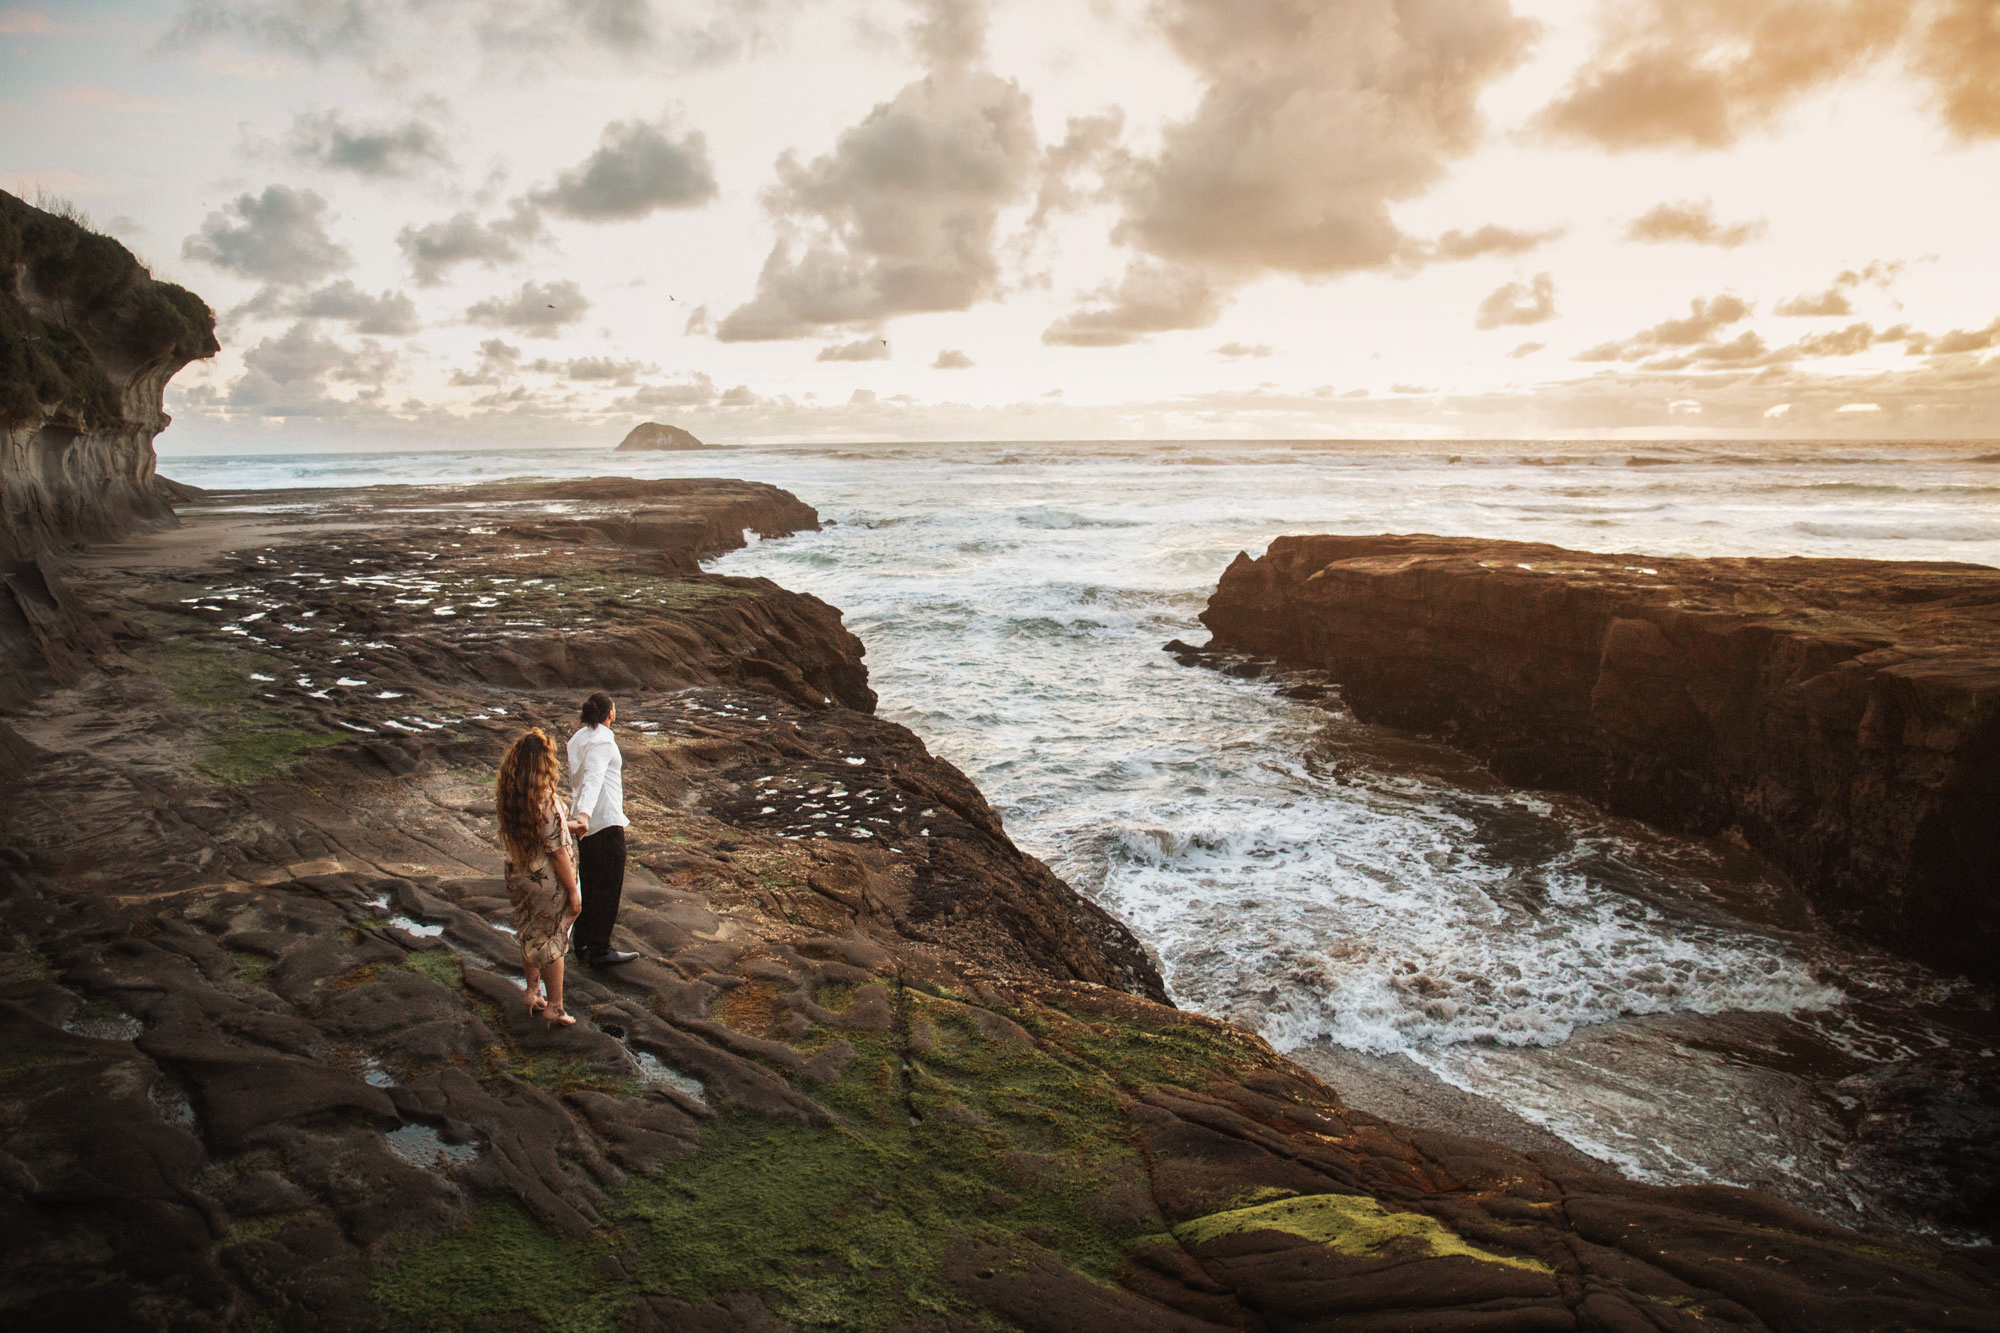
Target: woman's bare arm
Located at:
point(566, 876)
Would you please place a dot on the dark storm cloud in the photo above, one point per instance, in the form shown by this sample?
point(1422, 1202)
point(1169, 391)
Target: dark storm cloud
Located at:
point(388, 313)
point(1315, 119)
point(1516, 303)
point(861, 349)
point(1152, 297)
point(1691, 222)
point(539, 310)
point(278, 237)
point(639, 166)
point(899, 218)
point(436, 248)
point(326, 139)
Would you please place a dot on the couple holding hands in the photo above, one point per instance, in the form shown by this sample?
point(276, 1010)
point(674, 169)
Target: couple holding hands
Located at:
point(565, 859)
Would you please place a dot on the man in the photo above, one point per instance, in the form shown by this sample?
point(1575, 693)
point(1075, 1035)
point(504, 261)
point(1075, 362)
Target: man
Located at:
point(598, 817)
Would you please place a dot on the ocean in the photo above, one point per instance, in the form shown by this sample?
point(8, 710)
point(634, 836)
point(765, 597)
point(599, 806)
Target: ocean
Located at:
point(1660, 1003)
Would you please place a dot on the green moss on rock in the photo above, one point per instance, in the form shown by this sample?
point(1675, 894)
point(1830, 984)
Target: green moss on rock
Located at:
point(1350, 1224)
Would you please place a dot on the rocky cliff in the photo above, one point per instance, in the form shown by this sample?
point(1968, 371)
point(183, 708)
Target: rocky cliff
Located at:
point(1842, 716)
point(88, 341)
point(264, 1061)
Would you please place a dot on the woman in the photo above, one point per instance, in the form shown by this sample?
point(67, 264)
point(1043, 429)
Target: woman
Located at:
point(541, 867)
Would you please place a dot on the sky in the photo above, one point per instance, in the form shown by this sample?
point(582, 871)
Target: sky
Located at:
point(493, 223)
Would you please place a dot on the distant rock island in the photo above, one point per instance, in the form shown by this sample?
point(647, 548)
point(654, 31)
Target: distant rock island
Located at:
point(655, 436)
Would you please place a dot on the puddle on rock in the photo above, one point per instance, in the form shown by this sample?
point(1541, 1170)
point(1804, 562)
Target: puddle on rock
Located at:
point(657, 1074)
point(420, 1145)
point(103, 1022)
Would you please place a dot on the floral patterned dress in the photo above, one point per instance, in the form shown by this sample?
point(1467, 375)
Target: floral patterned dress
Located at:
point(541, 904)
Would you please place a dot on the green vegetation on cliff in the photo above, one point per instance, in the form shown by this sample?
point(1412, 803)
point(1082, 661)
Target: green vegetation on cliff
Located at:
point(77, 308)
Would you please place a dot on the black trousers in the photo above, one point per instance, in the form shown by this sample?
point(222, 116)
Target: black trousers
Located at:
point(600, 880)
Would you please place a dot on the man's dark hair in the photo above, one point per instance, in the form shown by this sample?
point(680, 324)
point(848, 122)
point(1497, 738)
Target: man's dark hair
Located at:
point(595, 709)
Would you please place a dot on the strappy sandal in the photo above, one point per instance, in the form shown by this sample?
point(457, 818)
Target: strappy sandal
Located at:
point(556, 1017)
point(537, 1003)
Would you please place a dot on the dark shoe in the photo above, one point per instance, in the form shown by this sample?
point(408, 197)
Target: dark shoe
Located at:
point(611, 957)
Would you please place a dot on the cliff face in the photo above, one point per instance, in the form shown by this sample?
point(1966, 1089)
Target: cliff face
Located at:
point(88, 341)
point(1843, 715)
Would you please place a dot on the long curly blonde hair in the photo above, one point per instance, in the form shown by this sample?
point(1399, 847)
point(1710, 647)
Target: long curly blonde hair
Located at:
point(528, 778)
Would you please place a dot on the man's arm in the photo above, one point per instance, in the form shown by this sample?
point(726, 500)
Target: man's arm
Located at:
point(590, 777)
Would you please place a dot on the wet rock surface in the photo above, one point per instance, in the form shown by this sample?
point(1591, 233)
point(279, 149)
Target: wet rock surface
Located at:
point(264, 1060)
point(1840, 716)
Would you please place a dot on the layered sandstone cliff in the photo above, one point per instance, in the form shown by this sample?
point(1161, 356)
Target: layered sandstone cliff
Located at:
point(88, 341)
point(1842, 716)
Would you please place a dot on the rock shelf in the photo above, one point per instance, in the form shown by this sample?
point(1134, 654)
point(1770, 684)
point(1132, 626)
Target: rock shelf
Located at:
point(264, 1061)
point(1842, 717)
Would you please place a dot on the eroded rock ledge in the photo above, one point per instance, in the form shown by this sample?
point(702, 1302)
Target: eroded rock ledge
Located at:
point(263, 1060)
point(1842, 715)
point(88, 341)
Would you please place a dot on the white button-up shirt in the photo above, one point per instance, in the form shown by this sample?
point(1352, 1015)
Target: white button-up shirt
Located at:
point(598, 772)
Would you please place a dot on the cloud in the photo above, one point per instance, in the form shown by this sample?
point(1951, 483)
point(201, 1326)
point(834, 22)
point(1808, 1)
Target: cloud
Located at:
point(1689, 221)
point(1832, 301)
point(289, 375)
point(433, 250)
point(899, 218)
point(1456, 246)
point(639, 167)
point(1315, 118)
point(1152, 297)
point(1234, 350)
point(1526, 349)
point(1705, 319)
point(950, 358)
point(497, 362)
point(278, 236)
point(696, 390)
point(861, 349)
point(1966, 340)
point(1960, 54)
point(382, 33)
point(948, 33)
point(325, 139)
point(539, 310)
point(1703, 73)
point(1514, 303)
point(1850, 341)
point(592, 370)
point(26, 23)
point(699, 322)
point(389, 313)
point(1090, 144)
